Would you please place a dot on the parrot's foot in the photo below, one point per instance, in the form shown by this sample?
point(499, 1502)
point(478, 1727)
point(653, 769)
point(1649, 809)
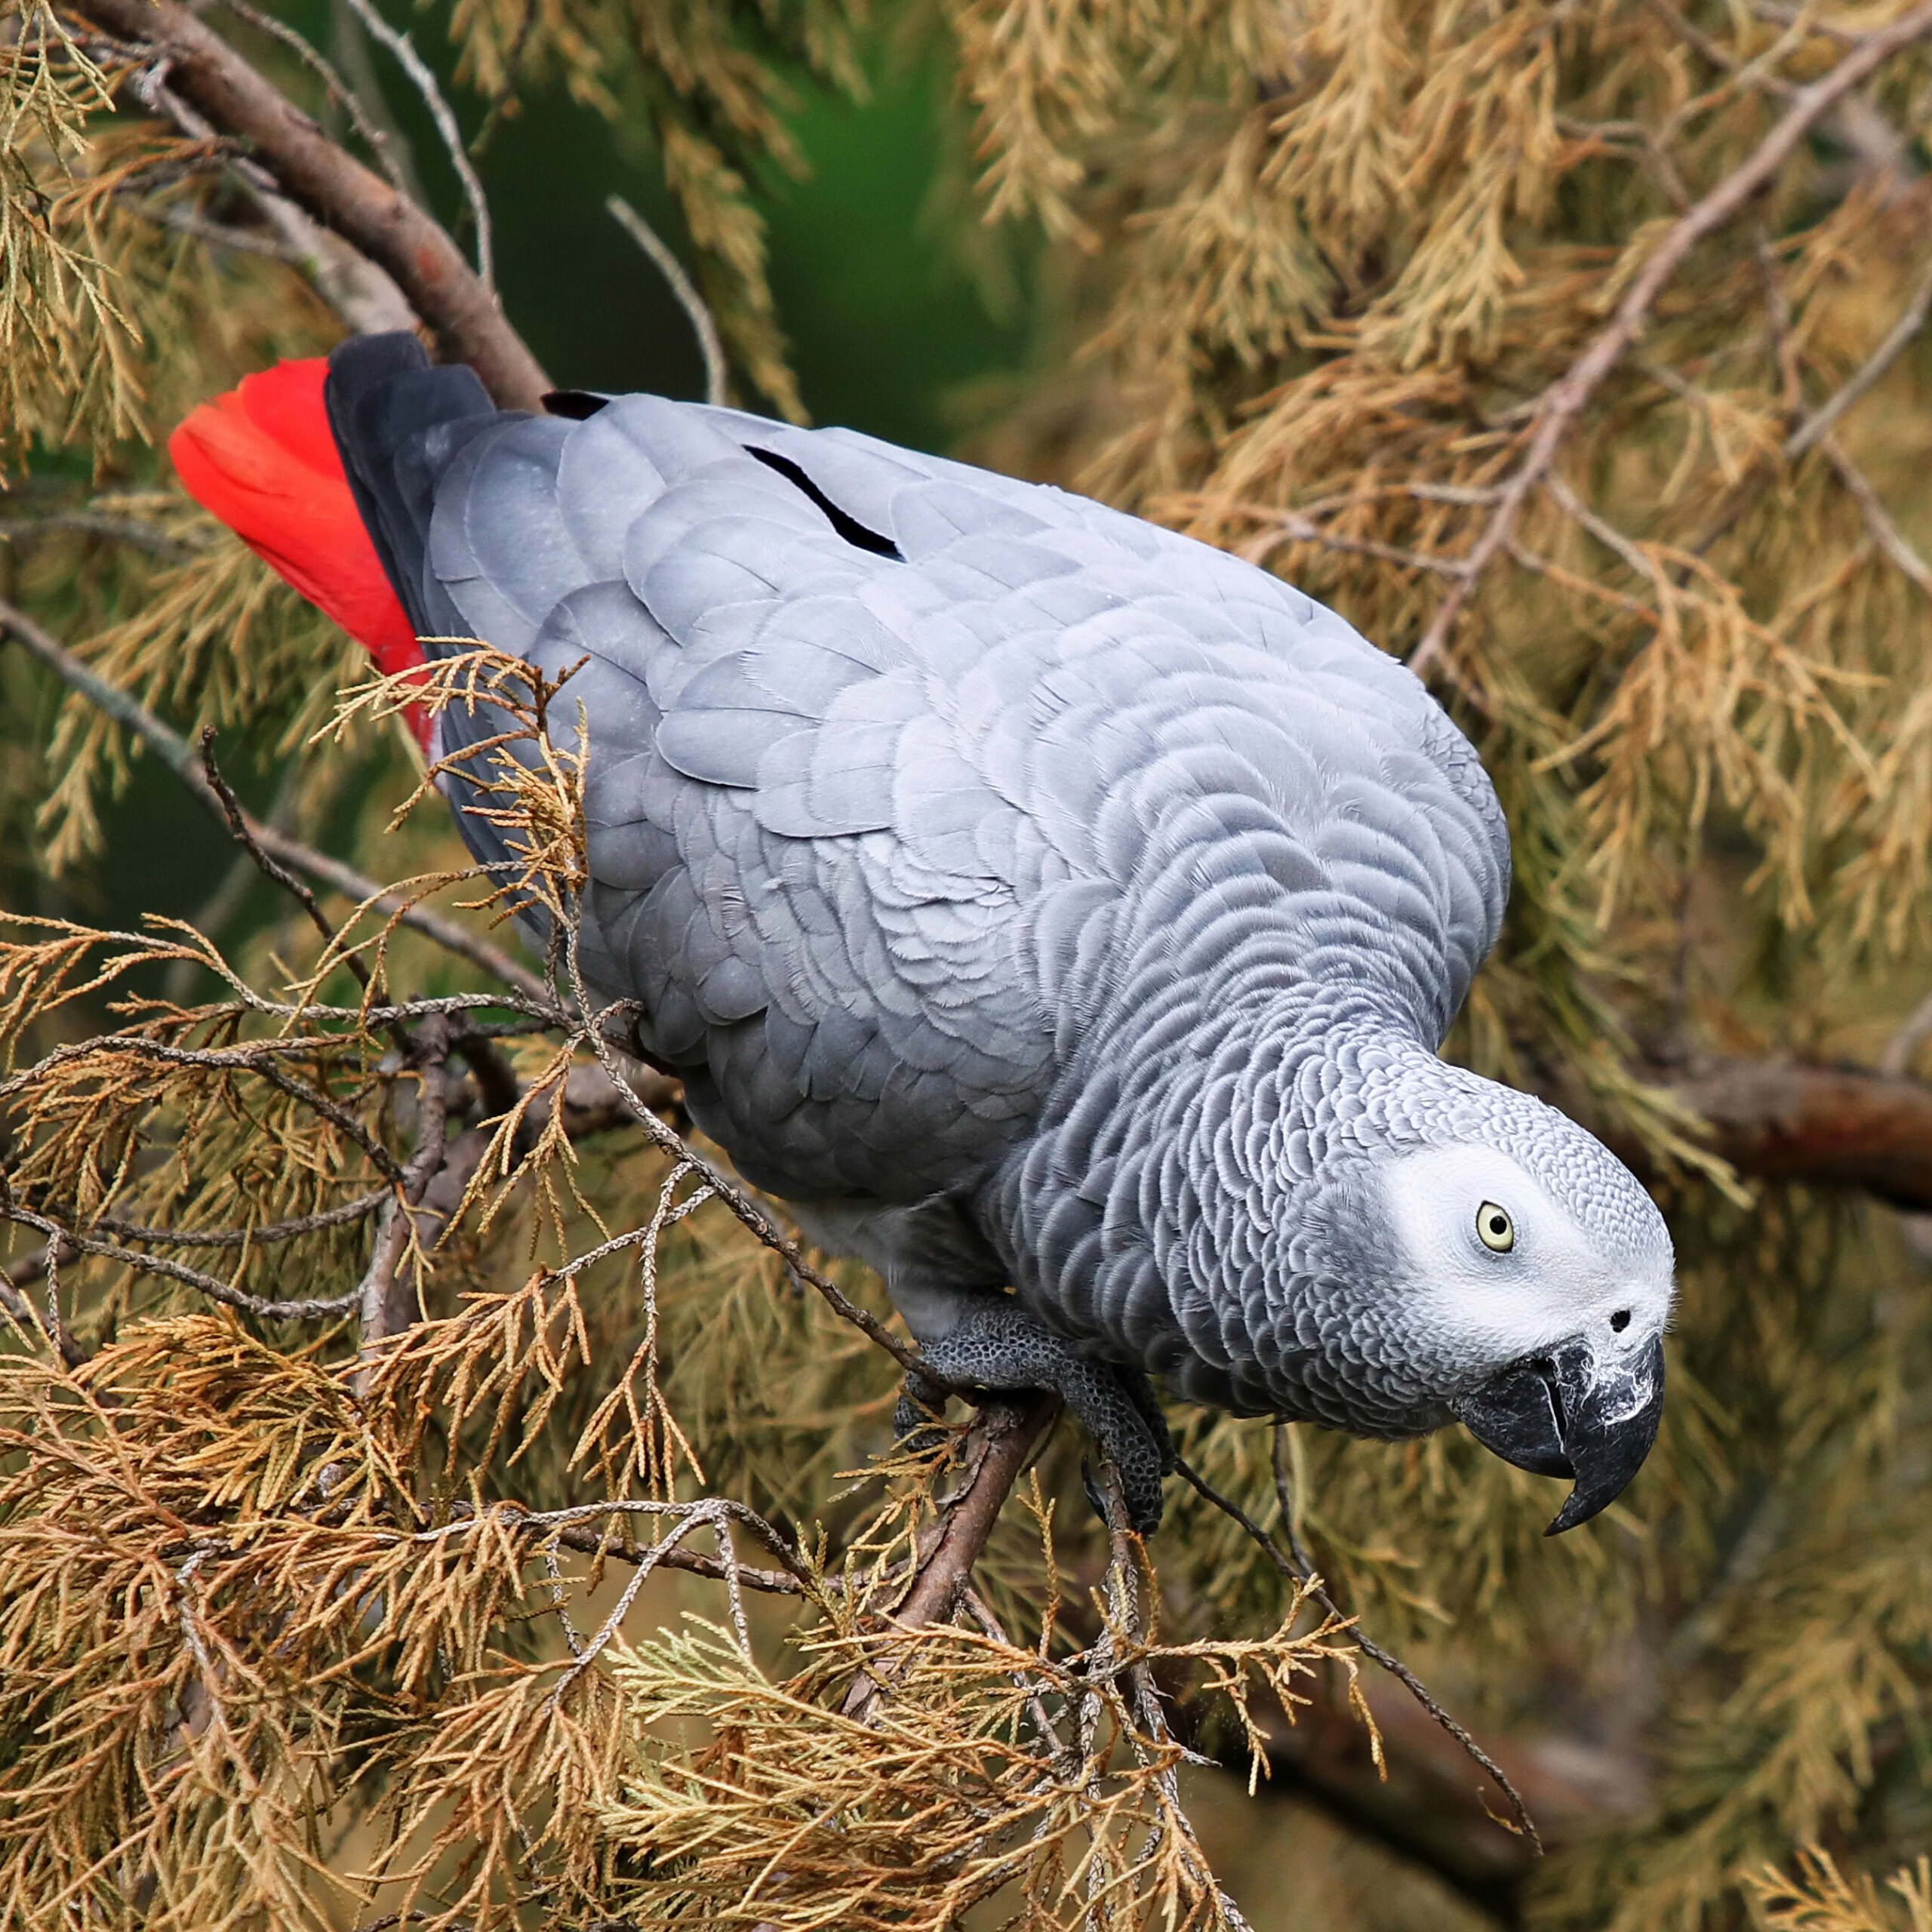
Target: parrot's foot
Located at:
point(1000, 1345)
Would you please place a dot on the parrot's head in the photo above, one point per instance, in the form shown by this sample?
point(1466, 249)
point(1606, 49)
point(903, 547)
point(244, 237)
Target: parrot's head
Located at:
point(1522, 1269)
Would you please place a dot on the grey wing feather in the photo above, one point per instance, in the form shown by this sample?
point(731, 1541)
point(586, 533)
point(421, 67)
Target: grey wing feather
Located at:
point(876, 829)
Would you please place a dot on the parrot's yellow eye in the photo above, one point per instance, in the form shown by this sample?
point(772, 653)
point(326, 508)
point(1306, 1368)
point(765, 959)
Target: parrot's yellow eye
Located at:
point(1495, 1227)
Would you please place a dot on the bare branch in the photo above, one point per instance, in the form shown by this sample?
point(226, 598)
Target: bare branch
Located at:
point(271, 868)
point(219, 234)
point(1294, 1564)
point(568, 1526)
point(133, 531)
point(1292, 527)
point(1885, 533)
point(1823, 1126)
point(337, 189)
point(1897, 340)
point(358, 289)
point(339, 91)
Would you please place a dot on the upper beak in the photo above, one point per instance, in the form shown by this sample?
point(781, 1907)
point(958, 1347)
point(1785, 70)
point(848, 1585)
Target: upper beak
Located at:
point(1568, 1414)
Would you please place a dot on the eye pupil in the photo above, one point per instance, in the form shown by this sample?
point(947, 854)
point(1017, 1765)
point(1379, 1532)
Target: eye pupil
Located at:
point(1494, 1226)
point(1621, 1320)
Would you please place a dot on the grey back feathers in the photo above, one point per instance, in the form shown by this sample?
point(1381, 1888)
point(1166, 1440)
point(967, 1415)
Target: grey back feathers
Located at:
point(963, 839)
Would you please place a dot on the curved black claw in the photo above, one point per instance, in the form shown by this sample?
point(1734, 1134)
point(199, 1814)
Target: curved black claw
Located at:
point(1000, 1345)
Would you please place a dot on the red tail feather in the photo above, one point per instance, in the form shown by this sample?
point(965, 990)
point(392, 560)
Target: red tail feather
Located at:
point(261, 459)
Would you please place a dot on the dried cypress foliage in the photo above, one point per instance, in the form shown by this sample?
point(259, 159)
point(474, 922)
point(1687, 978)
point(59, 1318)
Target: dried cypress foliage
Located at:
point(427, 1487)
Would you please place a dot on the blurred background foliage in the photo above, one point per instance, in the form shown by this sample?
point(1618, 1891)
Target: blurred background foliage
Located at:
point(1303, 281)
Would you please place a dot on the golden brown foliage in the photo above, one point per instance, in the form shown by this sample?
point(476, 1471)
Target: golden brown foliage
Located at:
point(258, 1594)
point(1821, 1899)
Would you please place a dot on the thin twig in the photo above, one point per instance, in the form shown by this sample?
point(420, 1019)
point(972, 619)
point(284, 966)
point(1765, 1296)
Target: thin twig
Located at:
point(712, 1510)
point(257, 1057)
point(211, 918)
point(350, 46)
point(1566, 399)
point(717, 378)
point(424, 82)
point(741, 1204)
point(29, 1319)
point(339, 89)
point(1292, 527)
point(562, 1526)
point(216, 234)
point(267, 1236)
point(131, 530)
point(1885, 533)
point(310, 1308)
point(270, 867)
point(1719, 57)
point(1299, 1570)
point(1898, 338)
point(174, 751)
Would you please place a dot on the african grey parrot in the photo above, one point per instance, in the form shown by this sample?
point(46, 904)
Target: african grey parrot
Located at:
point(1034, 899)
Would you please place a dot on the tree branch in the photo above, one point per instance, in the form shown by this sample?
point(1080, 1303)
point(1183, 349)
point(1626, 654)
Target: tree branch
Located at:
point(1295, 1565)
point(1846, 1127)
point(1008, 1430)
point(1870, 373)
point(412, 64)
point(385, 1300)
point(336, 188)
point(306, 1308)
point(717, 381)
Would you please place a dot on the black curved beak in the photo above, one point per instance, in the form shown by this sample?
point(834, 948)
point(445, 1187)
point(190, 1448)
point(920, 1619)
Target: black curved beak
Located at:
point(1569, 1414)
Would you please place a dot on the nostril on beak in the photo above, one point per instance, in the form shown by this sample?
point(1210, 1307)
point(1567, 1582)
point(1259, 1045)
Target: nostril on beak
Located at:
point(1621, 1320)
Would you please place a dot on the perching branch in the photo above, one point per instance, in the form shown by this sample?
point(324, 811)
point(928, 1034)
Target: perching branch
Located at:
point(1565, 401)
point(329, 183)
point(1009, 1431)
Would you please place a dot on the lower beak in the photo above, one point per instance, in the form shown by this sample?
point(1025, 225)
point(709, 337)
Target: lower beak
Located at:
point(1570, 1414)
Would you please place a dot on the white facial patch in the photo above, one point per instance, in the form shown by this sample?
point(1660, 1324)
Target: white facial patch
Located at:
point(1555, 1283)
